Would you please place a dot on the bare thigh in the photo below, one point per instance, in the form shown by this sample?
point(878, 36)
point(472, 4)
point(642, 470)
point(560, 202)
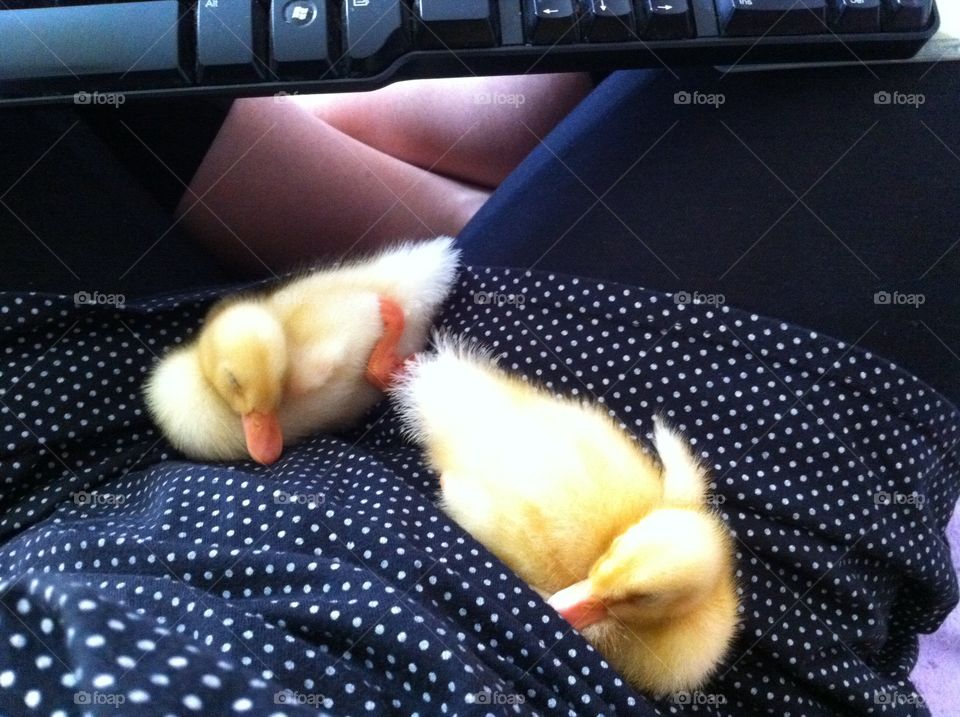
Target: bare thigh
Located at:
point(476, 129)
point(310, 177)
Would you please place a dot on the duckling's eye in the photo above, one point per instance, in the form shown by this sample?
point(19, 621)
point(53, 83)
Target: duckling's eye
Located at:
point(234, 383)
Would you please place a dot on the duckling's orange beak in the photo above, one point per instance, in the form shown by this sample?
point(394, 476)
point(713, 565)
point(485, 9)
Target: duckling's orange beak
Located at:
point(578, 605)
point(264, 436)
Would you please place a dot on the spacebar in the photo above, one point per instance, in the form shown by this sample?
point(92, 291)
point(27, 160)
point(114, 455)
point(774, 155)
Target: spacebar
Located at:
point(80, 42)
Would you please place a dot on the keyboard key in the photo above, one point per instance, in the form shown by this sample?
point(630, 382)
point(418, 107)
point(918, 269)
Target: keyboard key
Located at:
point(907, 15)
point(608, 21)
point(551, 21)
point(460, 23)
point(511, 22)
point(665, 19)
point(298, 37)
point(375, 33)
point(228, 40)
point(857, 15)
point(71, 42)
point(773, 17)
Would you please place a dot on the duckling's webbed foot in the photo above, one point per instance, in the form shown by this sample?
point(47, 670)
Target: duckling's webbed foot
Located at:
point(385, 361)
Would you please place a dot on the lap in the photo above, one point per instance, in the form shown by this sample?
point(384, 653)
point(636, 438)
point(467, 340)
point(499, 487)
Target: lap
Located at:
point(333, 575)
point(798, 198)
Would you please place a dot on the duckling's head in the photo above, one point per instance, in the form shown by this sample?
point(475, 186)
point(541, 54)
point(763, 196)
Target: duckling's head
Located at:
point(243, 355)
point(670, 563)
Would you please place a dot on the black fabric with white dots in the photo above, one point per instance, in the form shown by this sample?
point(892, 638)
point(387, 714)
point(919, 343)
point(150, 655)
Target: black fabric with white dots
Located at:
point(133, 580)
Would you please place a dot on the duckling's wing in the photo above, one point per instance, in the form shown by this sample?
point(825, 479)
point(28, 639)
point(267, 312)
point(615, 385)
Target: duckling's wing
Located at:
point(418, 275)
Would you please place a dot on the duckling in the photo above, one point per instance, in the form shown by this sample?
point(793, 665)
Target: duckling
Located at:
point(314, 354)
point(661, 602)
point(619, 543)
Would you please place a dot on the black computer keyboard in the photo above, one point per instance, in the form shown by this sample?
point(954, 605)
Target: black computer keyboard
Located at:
point(51, 50)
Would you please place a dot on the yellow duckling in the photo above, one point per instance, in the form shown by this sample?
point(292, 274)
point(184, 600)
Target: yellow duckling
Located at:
point(622, 545)
point(313, 355)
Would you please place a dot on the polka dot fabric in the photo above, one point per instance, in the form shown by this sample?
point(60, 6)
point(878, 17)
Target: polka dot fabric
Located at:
point(330, 583)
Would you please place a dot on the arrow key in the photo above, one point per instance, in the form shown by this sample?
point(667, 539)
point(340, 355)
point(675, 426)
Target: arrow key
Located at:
point(608, 20)
point(856, 15)
point(551, 21)
point(665, 19)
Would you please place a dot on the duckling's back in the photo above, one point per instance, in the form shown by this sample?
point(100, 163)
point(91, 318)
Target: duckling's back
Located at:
point(418, 275)
point(332, 321)
point(520, 468)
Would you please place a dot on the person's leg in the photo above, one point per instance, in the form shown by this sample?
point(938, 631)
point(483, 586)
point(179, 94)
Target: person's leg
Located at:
point(799, 198)
point(280, 186)
point(476, 129)
point(293, 179)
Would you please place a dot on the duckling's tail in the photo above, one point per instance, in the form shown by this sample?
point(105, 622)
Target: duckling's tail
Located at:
point(420, 274)
point(684, 477)
point(443, 395)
